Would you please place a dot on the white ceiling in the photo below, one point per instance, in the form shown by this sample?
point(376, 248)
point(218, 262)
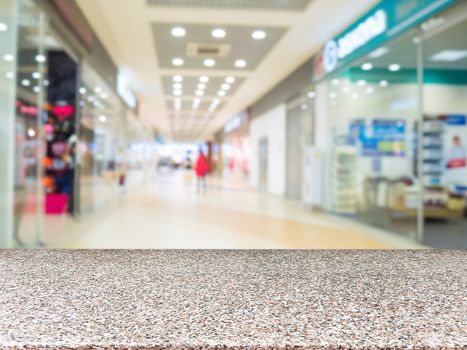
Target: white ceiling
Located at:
point(126, 28)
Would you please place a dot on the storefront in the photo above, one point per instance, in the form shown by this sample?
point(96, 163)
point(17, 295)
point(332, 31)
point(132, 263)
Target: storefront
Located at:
point(391, 106)
point(63, 131)
point(235, 152)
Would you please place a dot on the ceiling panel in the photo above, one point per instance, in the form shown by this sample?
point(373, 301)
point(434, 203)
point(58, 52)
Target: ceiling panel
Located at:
point(278, 5)
point(238, 38)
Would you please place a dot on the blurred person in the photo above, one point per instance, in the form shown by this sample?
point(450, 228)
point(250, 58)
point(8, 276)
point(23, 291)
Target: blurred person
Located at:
point(201, 169)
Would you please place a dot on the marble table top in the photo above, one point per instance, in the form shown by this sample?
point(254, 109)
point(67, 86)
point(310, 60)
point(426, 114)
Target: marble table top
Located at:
point(282, 299)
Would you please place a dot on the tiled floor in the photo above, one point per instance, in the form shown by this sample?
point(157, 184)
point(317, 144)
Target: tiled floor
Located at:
point(167, 213)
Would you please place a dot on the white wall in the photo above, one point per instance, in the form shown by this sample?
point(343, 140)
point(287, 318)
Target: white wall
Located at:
point(445, 99)
point(272, 125)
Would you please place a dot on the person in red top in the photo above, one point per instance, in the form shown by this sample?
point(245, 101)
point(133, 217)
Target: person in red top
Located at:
point(201, 169)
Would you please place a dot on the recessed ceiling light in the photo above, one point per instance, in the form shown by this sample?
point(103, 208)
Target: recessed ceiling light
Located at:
point(449, 56)
point(379, 52)
point(98, 90)
point(177, 92)
point(369, 90)
point(10, 75)
point(197, 101)
point(40, 58)
point(46, 82)
point(394, 67)
point(178, 78)
point(204, 79)
point(332, 95)
point(26, 82)
point(3, 27)
point(218, 33)
point(201, 86)
point(225, 87)
point(31, 132)
point(240, 63)
point(102, 118)
point(209, 62)
point(177, 86)
point(221, 93)
point(104, 95)
point(8, 58)
point(216, 101)
point(311, 94)
point(367, 66)
point(178, 32)
point(258, 34)
point(230, 80)
point(345, 89)
point(383, 83)
point(36, 89)
point(199, 93)
point(36, 75)
point(178, 61)
point(361, 83)
point(82, 90)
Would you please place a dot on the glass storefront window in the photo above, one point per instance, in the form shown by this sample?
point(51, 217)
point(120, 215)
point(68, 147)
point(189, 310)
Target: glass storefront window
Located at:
point(140, 158)
point(44, 127)
point(371, 109)
point(7, 93)
point(101, 134)
point(29, 140)
point(236, 150)
point(444, 127)
point(394, 126)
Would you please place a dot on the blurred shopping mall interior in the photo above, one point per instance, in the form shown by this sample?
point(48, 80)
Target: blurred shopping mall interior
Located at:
point(233, 124)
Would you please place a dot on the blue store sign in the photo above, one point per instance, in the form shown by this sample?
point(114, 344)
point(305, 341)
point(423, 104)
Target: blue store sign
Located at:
point(387, 20)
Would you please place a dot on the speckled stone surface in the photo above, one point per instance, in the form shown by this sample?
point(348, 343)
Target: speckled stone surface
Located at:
point(233, 299)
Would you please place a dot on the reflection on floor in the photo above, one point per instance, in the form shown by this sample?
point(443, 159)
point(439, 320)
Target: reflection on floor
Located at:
point(168, 213)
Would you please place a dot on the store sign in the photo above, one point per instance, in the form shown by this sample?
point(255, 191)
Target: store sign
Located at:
point(29, 110)
point(63, 111)
point(236, 122)
point(385, 21)
point(370, 28)
point(125, 92)
point(232, 124)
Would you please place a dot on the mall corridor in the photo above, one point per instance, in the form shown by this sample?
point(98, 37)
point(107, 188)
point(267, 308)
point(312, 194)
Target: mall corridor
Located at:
point(167, 212)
